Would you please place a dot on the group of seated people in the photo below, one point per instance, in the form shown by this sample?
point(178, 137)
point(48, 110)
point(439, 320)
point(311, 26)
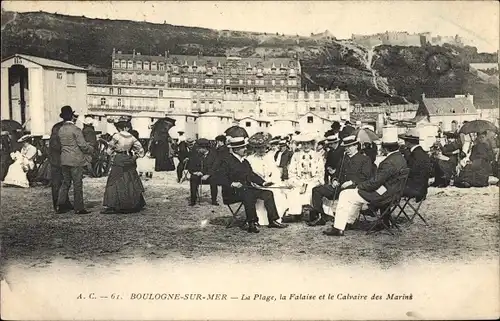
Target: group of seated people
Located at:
point(278, 181)
point(464, 161)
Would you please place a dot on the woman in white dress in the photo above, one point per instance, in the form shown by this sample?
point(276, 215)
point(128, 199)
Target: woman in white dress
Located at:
point(306, 170)
point(263, 164)
point(23, 162)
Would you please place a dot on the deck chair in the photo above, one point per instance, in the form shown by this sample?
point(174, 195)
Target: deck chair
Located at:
point(406, 199)
point(388, 208)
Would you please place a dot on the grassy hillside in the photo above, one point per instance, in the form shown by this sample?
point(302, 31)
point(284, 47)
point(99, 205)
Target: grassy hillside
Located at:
point(386, 74)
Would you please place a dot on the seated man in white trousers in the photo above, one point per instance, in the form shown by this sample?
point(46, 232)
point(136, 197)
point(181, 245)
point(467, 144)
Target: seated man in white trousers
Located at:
point(376, 190)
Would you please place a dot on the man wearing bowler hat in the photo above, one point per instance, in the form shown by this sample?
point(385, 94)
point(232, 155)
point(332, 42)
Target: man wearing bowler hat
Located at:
point(201, 165)
point(54, 156)
point(74, 149)
point(419, 164)
point(241, 184)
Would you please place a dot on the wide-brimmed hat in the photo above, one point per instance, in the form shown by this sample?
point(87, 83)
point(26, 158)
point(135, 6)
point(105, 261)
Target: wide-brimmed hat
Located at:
point(67, 111)
point(332, 139)
point(4, 132)
point(349, 141)
point(88, 121)
point(190, 140)
point(202, 142)
point(24, 138)
point(305, 138)
point(237, 142)
point(259, 139)
point(45, 137)
point(411, 135)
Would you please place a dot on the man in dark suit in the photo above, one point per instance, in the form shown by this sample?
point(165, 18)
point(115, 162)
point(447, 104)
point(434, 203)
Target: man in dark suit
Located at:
point(200, 165)
point(356, 168)
point(377, 190)
point(73, 151)
point(334, 155)
point(282, 157)
point(241, 184)
point(182, 154)
point(54, 156)
point(419, 164)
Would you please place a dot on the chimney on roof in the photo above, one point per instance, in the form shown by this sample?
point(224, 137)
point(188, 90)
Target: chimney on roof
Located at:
point(423, 95)
point(133, 53)
point(114, 52)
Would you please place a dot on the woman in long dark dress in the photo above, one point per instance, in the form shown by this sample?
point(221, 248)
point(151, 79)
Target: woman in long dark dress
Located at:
point(124, 189)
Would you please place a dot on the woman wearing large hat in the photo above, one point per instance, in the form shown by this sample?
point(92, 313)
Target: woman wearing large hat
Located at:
point(263, 165)
point(124, 189)
point(23, 162)
point(306, 171)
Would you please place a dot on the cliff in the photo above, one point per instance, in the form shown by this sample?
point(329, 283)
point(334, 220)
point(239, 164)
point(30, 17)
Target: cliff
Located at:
point(383, 74)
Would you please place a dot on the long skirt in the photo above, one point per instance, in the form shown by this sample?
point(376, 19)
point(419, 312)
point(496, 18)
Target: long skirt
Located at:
point(475, 174)
point(163, 163)
point(124, 189)
point(43, 174)
point(16, 176)
point(296, 200)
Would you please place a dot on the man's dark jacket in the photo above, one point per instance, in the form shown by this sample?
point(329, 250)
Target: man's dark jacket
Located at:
point(420, 166)
point(232, 170)
point(387, 175)
point(90, 136)
point(356, 169)
point(199, 163)
point(54, 154)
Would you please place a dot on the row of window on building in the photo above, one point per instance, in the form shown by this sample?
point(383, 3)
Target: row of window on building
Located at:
point(161, 66)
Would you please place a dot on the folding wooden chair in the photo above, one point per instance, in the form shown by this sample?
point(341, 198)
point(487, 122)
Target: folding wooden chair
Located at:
point(185, 172)
point(234, 212)
point(406, 202)
point(388, 208)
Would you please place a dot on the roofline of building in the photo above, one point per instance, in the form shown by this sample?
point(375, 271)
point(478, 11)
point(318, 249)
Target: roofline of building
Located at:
point(73, 67)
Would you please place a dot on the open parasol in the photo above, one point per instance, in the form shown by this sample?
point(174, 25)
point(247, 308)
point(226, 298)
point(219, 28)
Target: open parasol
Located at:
point(365, 135)
point(236, 131)
point(478, 126)
point(10, 125)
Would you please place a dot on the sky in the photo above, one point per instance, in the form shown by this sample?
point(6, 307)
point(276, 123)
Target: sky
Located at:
point(476, 21)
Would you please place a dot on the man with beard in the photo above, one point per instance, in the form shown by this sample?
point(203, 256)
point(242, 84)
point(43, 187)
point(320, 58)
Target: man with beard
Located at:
point(334, 155)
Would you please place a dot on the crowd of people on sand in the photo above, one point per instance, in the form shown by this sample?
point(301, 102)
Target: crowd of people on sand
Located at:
point(278, 180)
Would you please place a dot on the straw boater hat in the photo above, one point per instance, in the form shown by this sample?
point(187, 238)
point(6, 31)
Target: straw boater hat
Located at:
point(275, 140)
point(330, 139)
point(283, 142)
point(349, 141)
point(411, 135)
point(45, 137)
point(236, 142)
point(24, 138)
